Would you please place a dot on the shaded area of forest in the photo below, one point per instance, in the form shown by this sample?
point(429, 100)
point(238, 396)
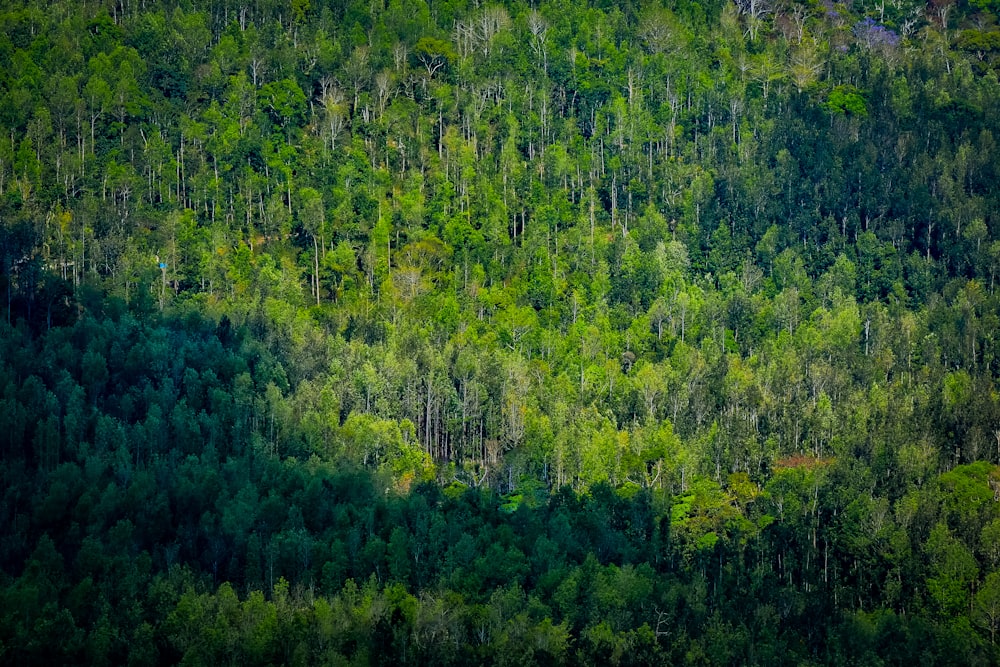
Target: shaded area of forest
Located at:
point(450, 332)
point(183, 535)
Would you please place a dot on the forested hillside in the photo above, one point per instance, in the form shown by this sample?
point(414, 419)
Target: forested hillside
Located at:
point(458, 332)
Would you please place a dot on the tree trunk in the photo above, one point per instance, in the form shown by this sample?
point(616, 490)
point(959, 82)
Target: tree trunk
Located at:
point(316, 268)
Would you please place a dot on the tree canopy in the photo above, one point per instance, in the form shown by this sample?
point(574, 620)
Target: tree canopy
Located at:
point(463, 333)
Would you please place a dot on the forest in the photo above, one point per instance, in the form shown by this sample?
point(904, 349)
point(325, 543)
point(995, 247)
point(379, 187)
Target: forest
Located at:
point(451, 332)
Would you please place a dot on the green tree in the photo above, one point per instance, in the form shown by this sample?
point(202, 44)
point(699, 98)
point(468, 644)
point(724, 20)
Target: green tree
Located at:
point(953, 571)
point(433, 54)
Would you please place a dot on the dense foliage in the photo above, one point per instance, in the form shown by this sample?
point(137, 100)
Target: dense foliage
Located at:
point(448, 332)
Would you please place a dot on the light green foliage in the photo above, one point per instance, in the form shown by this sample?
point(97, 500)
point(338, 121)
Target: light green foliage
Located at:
point(433, 53)
point(847, 100)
